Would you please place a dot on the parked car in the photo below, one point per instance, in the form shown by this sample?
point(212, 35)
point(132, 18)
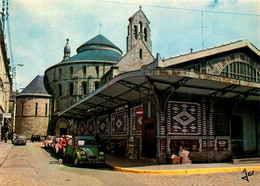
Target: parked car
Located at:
point(56, 143)
point(48, 142)
point(84, 150)
point(35, 138)
point(19, 139)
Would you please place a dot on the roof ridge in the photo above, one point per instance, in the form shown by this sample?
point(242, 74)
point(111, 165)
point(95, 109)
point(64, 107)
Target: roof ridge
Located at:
point(211, 48)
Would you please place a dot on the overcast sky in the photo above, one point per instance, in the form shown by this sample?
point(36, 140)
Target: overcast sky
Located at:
point(39, 28)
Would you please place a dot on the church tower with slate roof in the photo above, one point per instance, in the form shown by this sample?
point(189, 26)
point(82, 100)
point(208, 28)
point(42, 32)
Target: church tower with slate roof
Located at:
point(32, 111)
point(138, 28)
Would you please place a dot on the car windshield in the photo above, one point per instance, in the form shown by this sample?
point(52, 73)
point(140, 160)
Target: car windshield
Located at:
point(20, 137)
point(82, 142)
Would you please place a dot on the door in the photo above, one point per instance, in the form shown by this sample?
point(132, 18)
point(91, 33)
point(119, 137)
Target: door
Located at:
point(149, 138)
point(63, 131)
point(237, 134)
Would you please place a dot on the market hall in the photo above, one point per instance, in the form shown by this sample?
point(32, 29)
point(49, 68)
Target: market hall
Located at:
point(207, 101)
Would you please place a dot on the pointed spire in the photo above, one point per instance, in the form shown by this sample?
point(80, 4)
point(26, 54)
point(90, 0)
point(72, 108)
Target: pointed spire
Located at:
point(66, 50)
point(100, 28)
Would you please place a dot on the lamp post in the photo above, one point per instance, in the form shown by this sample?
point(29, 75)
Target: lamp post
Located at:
point(14, 104)
point(14, 73)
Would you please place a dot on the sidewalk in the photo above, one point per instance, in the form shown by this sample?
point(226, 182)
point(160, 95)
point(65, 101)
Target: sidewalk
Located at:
point(144, 167)
point(5, 148)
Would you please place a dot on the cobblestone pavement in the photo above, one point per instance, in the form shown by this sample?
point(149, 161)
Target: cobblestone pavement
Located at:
point(32, 165)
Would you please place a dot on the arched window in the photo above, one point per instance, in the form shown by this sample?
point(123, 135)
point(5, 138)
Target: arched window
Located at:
point(135, 32)
point(71, 89)
point(84, 88)
point(84, 71)
point(141, 53)
point(60, 89)
point(36, 109)
point(46, 109)
point(141, 26)
point(71, 70)
point(97, 71)
point(60, 73)
point(22, 108)
point(145, 34)
point(241, 70)
point(96, 85)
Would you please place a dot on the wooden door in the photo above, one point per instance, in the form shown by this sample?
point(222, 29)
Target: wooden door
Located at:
point(149, 138)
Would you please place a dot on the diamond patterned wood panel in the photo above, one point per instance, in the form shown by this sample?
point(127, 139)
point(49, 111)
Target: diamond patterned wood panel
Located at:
point(81, 129)
point(90, 128)
point(184, 118)
point(119, 123)
point(136, 123)
point(103, 125)
point(222, 144)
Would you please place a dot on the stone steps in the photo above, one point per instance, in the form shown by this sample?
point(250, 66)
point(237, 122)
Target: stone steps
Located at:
point(246, 160)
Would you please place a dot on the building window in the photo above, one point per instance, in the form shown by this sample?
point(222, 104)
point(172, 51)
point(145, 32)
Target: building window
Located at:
point(141, 53)
point(241, 70)
point(140, 26)
point(145, 34)
point(97, 71)
point(71, 89)
point(96, 85)
point(46, 109)
point(36, 109)
point(60, 73)
point(54, 74)
point(60, 90)
point(22, 108)
point(84, 88)
point(135, 32)
point(71, 70)
point(84, 71)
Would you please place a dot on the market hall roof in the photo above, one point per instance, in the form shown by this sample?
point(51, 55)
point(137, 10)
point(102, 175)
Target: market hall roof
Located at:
point(240, 45)
point(129, 86)
point(35, 88)
point(97, 49)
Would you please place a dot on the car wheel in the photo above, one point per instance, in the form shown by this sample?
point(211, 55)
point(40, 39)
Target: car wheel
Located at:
point(76, 161)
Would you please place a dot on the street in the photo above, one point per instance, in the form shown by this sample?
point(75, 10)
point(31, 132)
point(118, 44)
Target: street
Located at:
point(33, 165)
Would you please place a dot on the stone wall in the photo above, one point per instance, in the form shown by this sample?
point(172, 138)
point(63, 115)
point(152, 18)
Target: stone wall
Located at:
point(26, 121)
point(94, 72)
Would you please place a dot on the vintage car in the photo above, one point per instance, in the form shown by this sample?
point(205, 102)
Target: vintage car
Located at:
point(84, 150)
point(48, 142)
point(19, 139)
point(35, 138)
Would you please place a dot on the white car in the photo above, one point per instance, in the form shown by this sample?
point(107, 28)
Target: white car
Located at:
point(48, 142)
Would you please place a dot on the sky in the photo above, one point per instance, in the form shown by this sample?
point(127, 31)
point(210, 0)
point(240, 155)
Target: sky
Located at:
point(39, 28)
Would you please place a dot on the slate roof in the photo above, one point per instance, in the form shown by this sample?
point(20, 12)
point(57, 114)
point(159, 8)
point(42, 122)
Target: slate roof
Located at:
point(35, 88)
point(97, 49)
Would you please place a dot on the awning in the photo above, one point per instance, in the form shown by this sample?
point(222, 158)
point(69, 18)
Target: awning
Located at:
point(134, 85)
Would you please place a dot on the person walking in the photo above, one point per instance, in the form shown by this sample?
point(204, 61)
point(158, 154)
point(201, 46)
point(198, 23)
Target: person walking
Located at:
point(63, 145)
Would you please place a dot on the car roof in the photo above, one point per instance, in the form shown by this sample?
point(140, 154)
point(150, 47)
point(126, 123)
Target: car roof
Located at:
point(85, 137)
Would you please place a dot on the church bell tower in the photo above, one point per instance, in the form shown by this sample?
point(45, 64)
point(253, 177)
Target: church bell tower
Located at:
point(138, 28)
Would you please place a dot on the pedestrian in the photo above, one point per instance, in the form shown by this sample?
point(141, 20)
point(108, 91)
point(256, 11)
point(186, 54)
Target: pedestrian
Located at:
point(6, 137)
point(32, 138)
point(62, 149)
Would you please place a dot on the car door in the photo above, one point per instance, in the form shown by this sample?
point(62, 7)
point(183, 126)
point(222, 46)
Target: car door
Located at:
point(69, 150)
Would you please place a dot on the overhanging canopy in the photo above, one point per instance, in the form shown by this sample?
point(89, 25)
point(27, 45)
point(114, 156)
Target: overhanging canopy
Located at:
point(133, 85)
